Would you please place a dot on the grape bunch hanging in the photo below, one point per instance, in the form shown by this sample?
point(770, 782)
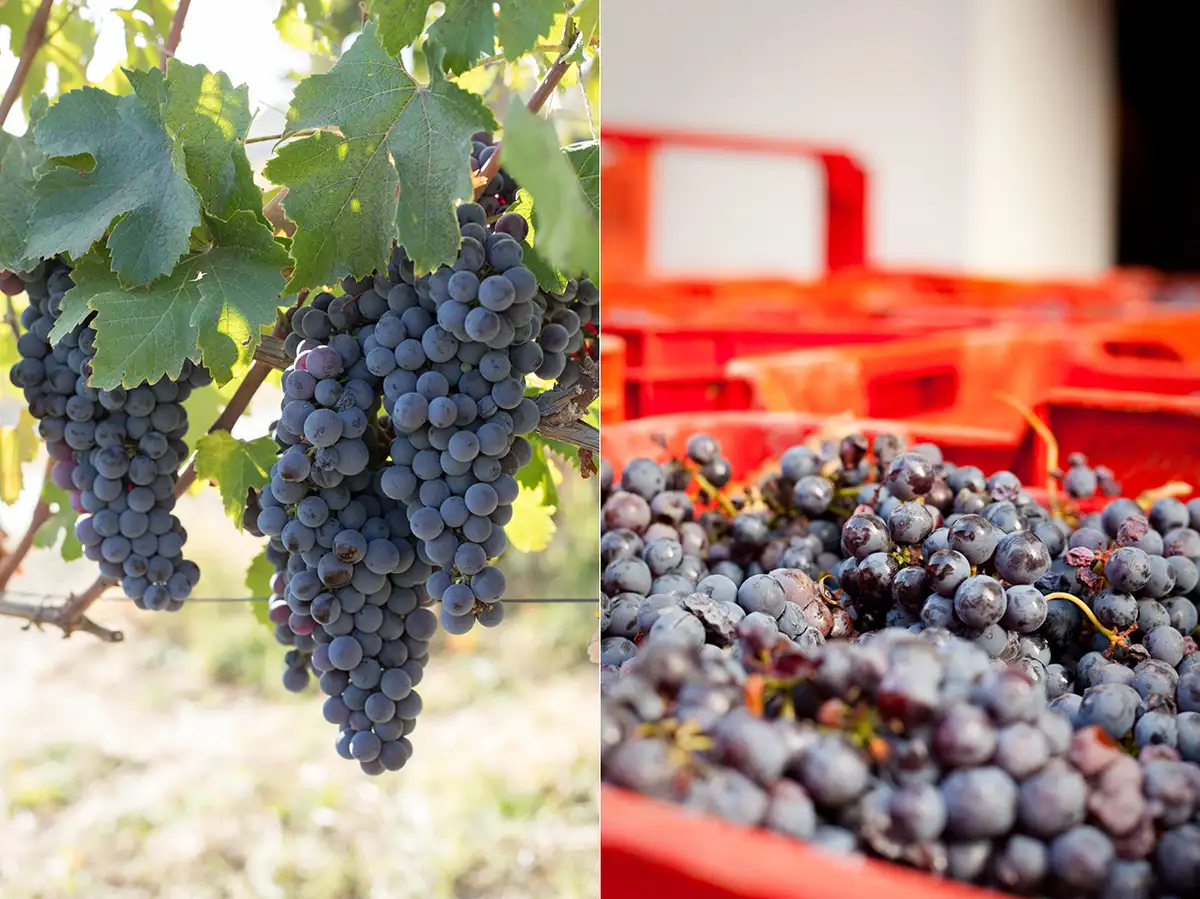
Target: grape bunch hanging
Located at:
point(118, 451)
point(403, 425)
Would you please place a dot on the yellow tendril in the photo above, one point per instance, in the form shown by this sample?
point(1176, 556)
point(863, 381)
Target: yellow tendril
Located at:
point(1043, 431)
point(1111, 635)
point(1171, 488)
point(722, 500)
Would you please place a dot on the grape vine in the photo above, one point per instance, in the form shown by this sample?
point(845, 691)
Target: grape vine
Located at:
point(434, 316)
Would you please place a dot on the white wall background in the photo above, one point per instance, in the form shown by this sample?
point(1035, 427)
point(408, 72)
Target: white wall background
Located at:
point(985, 126)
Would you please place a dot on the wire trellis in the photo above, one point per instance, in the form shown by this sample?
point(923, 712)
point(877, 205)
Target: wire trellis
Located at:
point(46, 597)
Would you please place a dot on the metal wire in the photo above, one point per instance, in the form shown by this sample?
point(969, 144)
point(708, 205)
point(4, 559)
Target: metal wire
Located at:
point(108, 597)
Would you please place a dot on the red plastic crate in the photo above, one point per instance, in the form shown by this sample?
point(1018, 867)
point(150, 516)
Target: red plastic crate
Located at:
point(1147, 439)
point(952, 377)
point(680, 366)
point(1122, 293)
point(612, 379)
point(654, 850)
point(628, 167)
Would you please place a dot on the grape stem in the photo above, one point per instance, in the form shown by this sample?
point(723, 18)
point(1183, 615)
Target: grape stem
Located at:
point(70, 616)
point(1042, 430)
point(563, 408)
point(541, 94)
point(263, 138)
point(721, 499)
point(175, 32)
point(35, 37)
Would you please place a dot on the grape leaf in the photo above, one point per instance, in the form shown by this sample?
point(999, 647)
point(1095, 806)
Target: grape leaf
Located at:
point(317, 26)
point(17, 444)
point(587, 18)
point(566, 451)
point(400, 21)
point(394, 133)
point(19, 441)
point(61, 522)
point(210, 119)
point(532, 525)
point(570, 233)
point(466, 31)
point(150, 86)
point(146, 26)
point(217, 299)
point(235, 465)
point(138, 176)
point(548, 277)
point(17, 175)
point(585, 159)
point(538, 475)
point(522, 22)
point(342, 198)
point(258, 582)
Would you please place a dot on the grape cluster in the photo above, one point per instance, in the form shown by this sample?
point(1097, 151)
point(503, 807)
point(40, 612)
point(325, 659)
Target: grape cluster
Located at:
point(455, 386)
point(118, 451)
point(1082, 481)
point(348, 590)
point(576, 311)
point(986, 688)
point(400, 434)
point(576, 308)
point(501, 191)
point(916, 748)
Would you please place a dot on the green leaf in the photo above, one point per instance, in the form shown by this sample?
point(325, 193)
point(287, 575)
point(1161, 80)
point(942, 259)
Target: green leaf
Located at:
point(569, 236)
point(587, 18)
point(236, 466)
point(585, 159)
point(318, 26)
point(258, 582)
point(17, 198)
point(60, 523)
point(532, 525)
point(522, 22)
point(17, 445)
point(566, 451)
point(210, 119)
point(138, 176)
point(217, 299)
point(19, 441)
point(150, 86)
point(548, 277)
point(394, 133)
point(466, 31)
point(146, 26)
point(342, 197)
point(400, 21)
point(537, 475)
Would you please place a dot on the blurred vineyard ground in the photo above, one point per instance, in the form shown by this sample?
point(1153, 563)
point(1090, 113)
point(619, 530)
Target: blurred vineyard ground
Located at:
point(175, 766)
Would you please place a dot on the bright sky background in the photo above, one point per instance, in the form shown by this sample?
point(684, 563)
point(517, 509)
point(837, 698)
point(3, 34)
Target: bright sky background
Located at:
point(236, 36)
